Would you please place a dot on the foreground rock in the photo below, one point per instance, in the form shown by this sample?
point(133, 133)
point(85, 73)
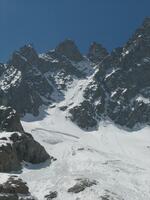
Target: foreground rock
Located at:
point(51, 195)
point(109, 195)
point(81, 185)
point(15, 189)
point(18, 147)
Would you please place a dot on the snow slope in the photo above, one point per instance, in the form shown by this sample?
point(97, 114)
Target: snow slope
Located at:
point(118, 160)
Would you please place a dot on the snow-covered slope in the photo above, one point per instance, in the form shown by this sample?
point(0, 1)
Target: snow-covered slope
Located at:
point(53, 90)
point(117, 160)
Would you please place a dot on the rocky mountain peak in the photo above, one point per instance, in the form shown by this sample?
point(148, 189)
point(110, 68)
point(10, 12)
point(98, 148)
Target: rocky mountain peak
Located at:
point(146, 22)
point(69, 49)
point(97, 52)
point(120, 87)
point(26, 54)
point(29, 53)
point(140, 39)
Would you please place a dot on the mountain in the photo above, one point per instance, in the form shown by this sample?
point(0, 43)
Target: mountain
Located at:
point(30, 80)
point(120, 88)
point(116, 90)
point(77, 110)
point(16, 145)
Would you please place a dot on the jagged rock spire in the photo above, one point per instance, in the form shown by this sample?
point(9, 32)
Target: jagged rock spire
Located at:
point(97, 52)
point(69, 49)
point(25, 54)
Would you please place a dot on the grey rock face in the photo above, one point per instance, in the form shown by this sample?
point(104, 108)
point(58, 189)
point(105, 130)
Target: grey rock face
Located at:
point(28, 149)
point(9, 120)
point(81, 185)
point(97, 53)
point(120, 90)
point(51, 195)
point(8, 159)
point(15, 189)
point(25, 87)
point(109, 195)
point(70, 50)
point(30, 80)
point(20, 147)
point(83, 115)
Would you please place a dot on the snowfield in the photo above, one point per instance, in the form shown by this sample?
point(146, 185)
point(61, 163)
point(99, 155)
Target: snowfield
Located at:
point(118, 160)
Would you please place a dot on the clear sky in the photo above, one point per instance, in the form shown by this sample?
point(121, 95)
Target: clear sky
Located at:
point(47, 22)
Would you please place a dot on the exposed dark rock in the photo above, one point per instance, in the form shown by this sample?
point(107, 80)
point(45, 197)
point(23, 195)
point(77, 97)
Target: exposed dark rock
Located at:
point(111, 196)
point(15, 189)
point(24, 88)
point(28, 149)
point(30, 80)
point(9, 120)
point(69, 49)
point(84, 115)
point(26, 54)
point(20, 147)
point(63, 108)
point(51, 195)
point(81, 185)
point(8, 159)
point(120, 89)
point(97, 53)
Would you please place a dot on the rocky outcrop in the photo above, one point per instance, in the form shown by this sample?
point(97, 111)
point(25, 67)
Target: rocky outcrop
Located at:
point(109, 195)
point(15, 189)
point(51, 195)
point(9, 120)
point(28, 149)
point(120, 88)
point(8, 157)
point(18, 147)
point(81, 115)
point(69, 49)
point(30, 80)
point(81, 185)
point(97, 53)
point(25, 87)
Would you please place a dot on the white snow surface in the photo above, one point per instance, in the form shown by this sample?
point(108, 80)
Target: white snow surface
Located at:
point(3, 177)
point(118, 160)
point(143, 99)
point(7, 136)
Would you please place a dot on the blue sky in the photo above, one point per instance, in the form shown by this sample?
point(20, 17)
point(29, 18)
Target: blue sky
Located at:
point(47, 22)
